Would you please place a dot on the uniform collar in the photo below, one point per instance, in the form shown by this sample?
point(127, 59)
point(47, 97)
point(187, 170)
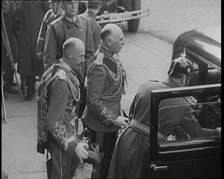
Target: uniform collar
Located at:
point(76, 21)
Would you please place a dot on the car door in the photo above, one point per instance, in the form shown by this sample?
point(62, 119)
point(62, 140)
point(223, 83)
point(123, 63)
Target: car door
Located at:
point(185, 152)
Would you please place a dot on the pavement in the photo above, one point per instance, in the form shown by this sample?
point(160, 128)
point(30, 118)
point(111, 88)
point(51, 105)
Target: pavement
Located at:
point(19, 135)
point(169, 18)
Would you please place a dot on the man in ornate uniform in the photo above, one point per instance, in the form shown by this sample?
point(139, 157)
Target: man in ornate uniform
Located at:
point(66, 26)
point(131, 152)
point(105, 86)
point(63, 95)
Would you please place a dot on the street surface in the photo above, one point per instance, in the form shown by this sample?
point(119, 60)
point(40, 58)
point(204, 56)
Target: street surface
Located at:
point(146, 56)
point(169, 18)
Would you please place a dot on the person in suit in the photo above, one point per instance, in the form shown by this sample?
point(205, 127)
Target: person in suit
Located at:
point(9, 19)
point(30, 15)
point(52, 14)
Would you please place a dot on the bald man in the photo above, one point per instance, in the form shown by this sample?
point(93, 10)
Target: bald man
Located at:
point(105, 87)
point(63, 95)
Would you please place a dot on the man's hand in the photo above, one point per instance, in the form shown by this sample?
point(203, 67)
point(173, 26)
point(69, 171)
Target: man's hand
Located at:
point(121, 121)
point(81, 151)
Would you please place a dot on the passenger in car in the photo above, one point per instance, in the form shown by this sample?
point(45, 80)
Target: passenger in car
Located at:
point(130, 155)
point(179, 115)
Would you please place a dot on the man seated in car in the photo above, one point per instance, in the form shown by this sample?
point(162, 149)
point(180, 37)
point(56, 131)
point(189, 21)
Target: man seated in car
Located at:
point(176, 119)
point(178, 116)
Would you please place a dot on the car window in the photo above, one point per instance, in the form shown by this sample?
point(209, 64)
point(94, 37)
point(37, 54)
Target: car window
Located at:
point(184, 118)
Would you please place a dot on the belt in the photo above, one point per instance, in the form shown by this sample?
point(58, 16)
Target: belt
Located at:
point(143, 129)
point(139, 127)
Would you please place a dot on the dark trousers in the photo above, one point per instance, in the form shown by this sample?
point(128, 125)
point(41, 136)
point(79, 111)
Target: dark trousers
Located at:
point(8, 77)
point(28, 81)
point(63, 164)
point(107, 141)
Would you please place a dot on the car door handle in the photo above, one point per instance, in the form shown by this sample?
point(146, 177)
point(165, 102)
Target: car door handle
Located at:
point(159, 168)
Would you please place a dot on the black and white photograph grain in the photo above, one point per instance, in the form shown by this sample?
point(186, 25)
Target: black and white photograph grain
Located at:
point(111, 89)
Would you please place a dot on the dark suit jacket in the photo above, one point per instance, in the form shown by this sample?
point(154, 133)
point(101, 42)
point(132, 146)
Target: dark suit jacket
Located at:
point(30, 14)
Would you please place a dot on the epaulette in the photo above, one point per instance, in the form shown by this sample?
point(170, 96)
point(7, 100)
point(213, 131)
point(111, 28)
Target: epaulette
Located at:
point(73, 85)
point(61, 74)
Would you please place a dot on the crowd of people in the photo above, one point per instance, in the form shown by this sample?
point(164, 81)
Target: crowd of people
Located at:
point(79, 61)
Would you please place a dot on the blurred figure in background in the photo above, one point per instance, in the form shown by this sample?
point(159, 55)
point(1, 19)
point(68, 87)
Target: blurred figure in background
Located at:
point(30, 14)
point(92, 8)
point(108, 6)
point(9, 17)
point(49, 17)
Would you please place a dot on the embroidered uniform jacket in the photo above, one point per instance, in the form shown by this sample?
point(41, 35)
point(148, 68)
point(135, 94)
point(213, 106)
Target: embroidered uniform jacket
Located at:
point(105, 86)
point(63, 96)
point(62, 111)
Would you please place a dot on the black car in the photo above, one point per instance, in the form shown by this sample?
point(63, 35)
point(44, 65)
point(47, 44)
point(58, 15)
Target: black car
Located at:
point(203, 48)
point(191, 157)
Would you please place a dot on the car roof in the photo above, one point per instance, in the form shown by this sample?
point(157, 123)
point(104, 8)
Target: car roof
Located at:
point(205, 42)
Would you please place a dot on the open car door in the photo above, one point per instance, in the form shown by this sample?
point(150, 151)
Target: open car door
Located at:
point(182, 154)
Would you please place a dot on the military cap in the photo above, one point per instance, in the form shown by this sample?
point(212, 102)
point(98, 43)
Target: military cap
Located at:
point(180, 65)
